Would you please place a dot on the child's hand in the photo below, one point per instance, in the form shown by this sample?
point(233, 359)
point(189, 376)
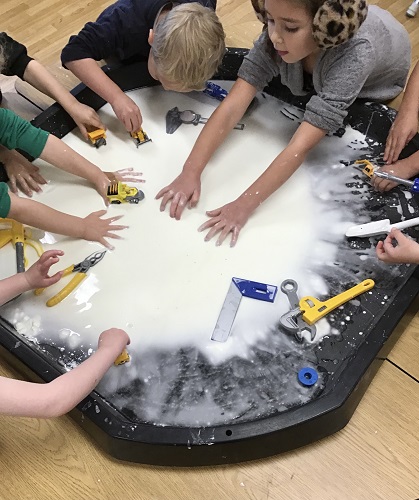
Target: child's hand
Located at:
point(114, 339)
point(96, 229)
point(125, 175)
point(185, 188)
point(402, 168)
point(402, 131)
point(22, 173)
point(228, 219)
point(86, 119)
point(406, 250)
point(127, 112)
point(37, 274)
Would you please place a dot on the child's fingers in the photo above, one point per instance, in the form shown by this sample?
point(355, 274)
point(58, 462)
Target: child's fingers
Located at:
point(114, 236)
point(234, 237)
point(115, 218)
point(12, 183)
point(194, 200)
point(177, 206)
point(379, 249)
point(213, 213)
point(215, 229)
point(55, 278)
point(395, 233)
point(99, 213)
point(167, 196)
point(106, 244)
point(112, 227)
point(224, 233)
point(51, 253)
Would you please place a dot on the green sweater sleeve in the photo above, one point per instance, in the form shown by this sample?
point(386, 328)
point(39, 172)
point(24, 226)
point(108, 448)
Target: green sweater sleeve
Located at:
point(4, 200)
point(15, 132)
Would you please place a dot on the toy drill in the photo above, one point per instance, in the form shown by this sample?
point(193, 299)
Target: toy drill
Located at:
point(370, 170)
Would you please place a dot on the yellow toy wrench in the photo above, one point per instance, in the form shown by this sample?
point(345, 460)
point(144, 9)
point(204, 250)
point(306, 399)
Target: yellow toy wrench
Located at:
point(81, 269)
point(313, 309)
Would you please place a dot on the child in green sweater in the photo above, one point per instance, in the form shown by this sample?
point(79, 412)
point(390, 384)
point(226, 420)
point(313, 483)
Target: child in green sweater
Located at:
point(18, 133)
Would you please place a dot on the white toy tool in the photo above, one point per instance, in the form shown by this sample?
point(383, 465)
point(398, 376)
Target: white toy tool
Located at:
point(379, 227)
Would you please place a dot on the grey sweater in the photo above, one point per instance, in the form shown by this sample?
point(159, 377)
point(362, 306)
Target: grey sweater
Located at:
point(373, 65)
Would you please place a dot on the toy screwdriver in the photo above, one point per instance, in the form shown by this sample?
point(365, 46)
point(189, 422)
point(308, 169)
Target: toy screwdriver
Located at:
point(412, 185)
point(81, 272)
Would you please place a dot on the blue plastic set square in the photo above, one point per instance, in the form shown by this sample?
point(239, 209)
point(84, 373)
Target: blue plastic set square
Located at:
point(239, 288)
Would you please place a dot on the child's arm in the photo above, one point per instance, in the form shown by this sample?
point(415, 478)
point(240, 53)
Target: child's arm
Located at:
point(91, 228)
point(406, 169)
point(18, 133)
point(405, 125)
point(62, 156)
point(35, 277)
point(26, 399)
point(186, 188)
point(40, 78)
point(406, 250)
point(232, 217)
point(88, 71)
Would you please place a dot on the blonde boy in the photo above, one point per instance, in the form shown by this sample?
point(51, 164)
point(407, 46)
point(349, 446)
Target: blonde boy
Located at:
point(183, 44)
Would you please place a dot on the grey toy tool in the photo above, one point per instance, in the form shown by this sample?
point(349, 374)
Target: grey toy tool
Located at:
point(175, 118)
point(293, 320)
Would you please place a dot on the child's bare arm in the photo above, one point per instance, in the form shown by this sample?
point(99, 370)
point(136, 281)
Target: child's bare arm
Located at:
point(88, 71)
point(186, 188)
point(62, 156)
point(406, 168)
point(26, 399)
point(35, 277)
point(91, 228)
point(40, 78)
point(405, 251)
point(231, 217)
point(405, 125)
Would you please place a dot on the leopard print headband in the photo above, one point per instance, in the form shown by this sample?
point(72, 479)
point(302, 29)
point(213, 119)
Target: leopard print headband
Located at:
point(335, 22)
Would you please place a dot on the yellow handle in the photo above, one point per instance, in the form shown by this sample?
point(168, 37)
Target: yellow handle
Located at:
point(66, 272)
point(78, 278)
point(5, 237)
point(313, 309)
point(124, 357)
point(18, 232)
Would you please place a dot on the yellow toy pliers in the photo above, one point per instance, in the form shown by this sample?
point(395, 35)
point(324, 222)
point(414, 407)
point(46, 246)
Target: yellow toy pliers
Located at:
point(81, 269)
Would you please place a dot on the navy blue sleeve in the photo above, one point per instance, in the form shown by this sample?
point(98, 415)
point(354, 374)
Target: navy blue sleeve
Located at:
point(120, 32)
point(15, 55)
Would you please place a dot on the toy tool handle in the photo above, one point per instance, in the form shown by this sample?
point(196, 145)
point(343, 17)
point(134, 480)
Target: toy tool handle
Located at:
point(415, 187)
point(66, 272)
point(78, 278)
point(20, 257)
point(123, 358)
point(5, 237)
point(313, 309)
point(406, 223)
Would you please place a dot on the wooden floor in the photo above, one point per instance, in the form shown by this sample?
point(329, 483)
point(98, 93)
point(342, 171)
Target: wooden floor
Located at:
point(375, 457)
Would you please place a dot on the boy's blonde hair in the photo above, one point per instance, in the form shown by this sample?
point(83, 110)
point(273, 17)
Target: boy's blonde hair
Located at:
point(188, 45)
